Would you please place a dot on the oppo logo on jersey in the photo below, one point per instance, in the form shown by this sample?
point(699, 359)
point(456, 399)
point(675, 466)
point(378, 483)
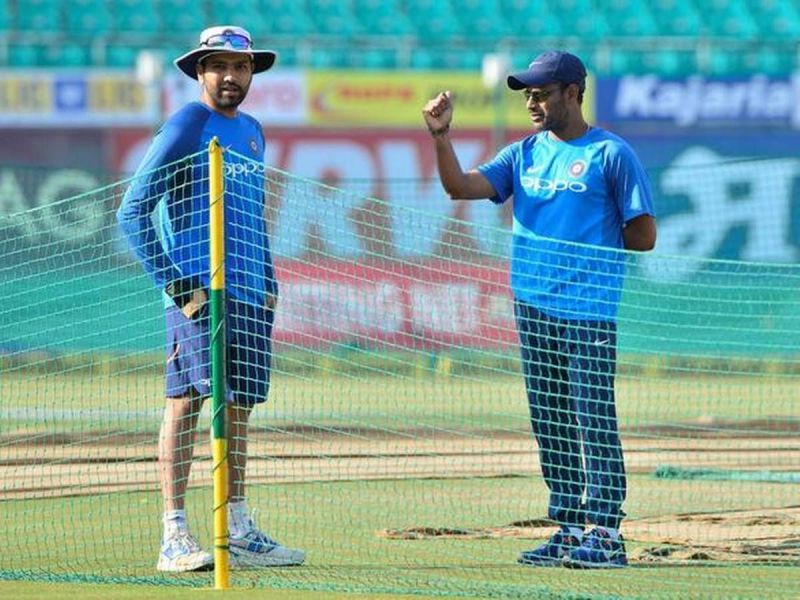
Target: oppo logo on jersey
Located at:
point(537, 184)
point(248, 168)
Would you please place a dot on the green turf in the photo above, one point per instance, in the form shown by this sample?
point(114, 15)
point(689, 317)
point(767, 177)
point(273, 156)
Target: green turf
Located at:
point(338, 523)
point(27, 590)
point(460, 402)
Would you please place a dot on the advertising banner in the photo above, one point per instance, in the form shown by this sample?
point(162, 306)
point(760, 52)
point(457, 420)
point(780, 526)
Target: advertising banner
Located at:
point(281, 97)
point(730, 195)
point(698, 101)
point(395, 99)
point(84, 98)
point(733, 196)
point(414, 306)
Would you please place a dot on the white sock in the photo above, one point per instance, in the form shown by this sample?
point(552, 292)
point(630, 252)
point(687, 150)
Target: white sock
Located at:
point(576, 532)
point(238, 519)
point(174, 522)
point(612, 532)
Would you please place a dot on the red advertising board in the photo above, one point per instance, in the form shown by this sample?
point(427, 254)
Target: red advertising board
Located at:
point(428, 305)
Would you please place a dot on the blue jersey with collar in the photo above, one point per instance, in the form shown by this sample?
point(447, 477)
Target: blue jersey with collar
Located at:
point(180, 193)
point(571, 202)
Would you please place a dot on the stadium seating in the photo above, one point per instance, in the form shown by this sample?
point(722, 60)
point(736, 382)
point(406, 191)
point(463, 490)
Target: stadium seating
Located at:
point(616, 36)
point(38, 16)
point(84, 18)
point(5, 17)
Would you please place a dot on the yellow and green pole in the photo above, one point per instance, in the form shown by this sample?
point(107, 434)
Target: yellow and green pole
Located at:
point(219, 438)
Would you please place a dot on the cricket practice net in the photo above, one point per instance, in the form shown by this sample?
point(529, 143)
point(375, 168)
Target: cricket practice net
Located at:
point(396, 446)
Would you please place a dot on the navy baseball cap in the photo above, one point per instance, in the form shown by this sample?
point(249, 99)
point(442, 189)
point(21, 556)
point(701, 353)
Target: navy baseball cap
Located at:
point(549, 67)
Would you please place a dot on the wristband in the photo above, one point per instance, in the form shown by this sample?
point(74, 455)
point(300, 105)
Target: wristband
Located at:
point(439, 132)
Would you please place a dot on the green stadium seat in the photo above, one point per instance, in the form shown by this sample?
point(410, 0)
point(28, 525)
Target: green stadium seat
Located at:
point(624, 61)
point(234, 12)
point(728, 19)
point(630, 18)
point(482, 18)
point(776, 19)
point(677, 18)
point(258, 25)
point(287, 55)
point(334, 18)
point(22, 55)
point(772, 61)
point(170, 52)
point(41, 16)
point(372, 58)
point(533, 19)
point(661, 62)
point(181, 17)
point(66, 55)
point(86, 17)
point(382, 18)
point(121, 56)
point(578, 18)
point(128, 6)
point(246, 13)
point(290, 22)
point(140, 19)
point(468, 59)
point(669, 63)
point(424, 59)
point(382, 24)
point(433, 20)
point(5, 16)
point(131, 24)
point(327, 58)
point(724, 62)
point(581, 19)
point(440, 27)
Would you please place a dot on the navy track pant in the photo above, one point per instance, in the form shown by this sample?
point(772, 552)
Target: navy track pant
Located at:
point(569, 369)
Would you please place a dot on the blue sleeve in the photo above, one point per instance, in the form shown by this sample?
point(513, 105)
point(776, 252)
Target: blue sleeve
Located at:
point(500, 173)
point(151, 182)
point(630, 185)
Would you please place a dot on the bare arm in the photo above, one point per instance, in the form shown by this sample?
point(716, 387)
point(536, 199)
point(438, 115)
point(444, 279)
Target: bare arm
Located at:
point(640, 233)
point(472, 185)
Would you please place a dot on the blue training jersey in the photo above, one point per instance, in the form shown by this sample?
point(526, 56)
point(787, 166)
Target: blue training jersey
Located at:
point(180, 193)
point(571, 202)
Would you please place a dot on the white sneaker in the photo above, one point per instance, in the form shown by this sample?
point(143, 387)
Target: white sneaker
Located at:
point(181, 552)
point(256, 549)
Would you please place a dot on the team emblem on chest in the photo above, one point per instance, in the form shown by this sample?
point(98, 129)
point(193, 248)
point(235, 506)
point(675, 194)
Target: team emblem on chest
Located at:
point(577, 168)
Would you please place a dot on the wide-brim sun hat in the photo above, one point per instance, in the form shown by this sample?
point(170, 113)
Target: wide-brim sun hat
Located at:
point(225, 38)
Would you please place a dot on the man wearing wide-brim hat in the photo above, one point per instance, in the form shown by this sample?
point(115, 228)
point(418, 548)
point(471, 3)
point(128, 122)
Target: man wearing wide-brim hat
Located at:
point(173, 180)
point(224, 38)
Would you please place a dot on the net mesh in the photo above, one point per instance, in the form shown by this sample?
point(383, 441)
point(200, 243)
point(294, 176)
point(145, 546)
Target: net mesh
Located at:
point(396, 444)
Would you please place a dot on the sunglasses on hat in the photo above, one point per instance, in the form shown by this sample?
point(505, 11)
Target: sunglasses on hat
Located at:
point(235, 41)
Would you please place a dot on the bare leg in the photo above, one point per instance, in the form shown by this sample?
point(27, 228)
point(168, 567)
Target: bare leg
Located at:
point(238, 416)
point(176, 449)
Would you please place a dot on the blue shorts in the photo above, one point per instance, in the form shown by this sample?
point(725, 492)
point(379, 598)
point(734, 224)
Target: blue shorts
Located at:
point(248, 353)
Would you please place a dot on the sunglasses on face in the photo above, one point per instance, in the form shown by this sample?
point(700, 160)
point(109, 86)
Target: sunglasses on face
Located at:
point(228, 40)
point(539, 96)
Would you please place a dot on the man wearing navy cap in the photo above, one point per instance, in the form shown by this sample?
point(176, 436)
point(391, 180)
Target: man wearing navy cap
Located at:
point(172, 180)
point(581, 198)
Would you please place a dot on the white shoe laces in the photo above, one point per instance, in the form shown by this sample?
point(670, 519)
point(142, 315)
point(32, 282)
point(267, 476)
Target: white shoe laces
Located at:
point(184, 540)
